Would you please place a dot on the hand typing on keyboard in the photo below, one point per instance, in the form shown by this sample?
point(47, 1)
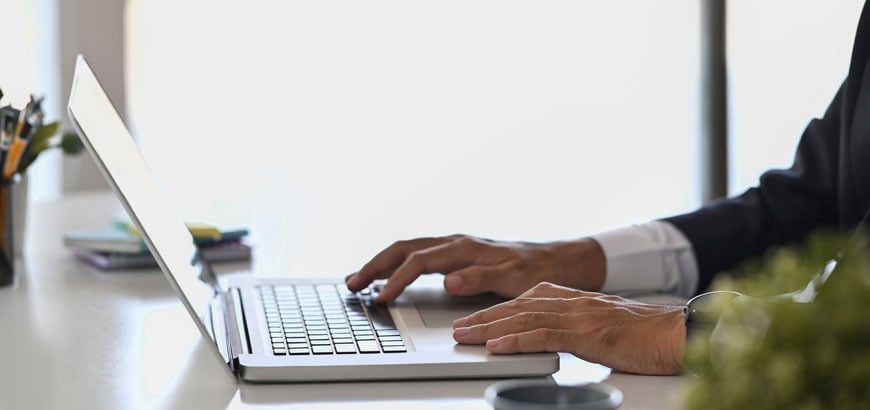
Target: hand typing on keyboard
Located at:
point(545, 316)
point(474, 265)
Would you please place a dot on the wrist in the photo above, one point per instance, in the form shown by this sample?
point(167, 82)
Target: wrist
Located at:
point(676, 339)
point(583, 264)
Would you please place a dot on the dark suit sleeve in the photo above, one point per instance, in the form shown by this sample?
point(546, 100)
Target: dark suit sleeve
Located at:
point(786, 205)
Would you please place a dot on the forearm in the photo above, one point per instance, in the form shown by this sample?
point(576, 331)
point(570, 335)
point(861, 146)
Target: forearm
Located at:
point(579, 264)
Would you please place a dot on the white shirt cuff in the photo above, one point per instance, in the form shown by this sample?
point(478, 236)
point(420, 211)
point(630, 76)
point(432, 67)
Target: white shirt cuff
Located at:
point(654, 257)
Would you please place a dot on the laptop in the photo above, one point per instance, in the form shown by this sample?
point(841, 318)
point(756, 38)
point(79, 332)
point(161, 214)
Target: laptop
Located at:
point(286, 329)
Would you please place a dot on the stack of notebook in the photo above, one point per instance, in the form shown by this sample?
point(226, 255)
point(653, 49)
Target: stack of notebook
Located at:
point(121, 247)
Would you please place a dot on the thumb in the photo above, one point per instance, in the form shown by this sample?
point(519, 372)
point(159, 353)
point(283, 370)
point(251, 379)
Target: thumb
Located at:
point(472, 280)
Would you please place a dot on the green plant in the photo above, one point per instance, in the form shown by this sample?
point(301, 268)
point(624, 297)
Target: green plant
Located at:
point(769, 353)
point(46, 138)
point(23, 137)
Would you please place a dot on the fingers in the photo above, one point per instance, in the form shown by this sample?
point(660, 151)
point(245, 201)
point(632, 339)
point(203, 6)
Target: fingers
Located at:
point(385, 262)
point(445, 258)
point(519, 323)
point(538, 340)
point(510, 308)
point(472, 280)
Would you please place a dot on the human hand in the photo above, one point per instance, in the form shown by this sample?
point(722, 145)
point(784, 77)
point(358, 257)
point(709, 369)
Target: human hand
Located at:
point(474, 265)
point(619, 333)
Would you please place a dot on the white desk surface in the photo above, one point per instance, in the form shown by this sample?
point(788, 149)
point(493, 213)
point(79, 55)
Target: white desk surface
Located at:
point(75, 337)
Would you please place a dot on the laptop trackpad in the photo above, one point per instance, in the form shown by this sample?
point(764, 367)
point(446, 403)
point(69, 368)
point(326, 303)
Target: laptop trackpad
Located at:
point(439, 309)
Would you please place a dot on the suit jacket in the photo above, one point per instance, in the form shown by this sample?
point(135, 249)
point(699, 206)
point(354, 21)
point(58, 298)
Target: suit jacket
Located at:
point(827, 186)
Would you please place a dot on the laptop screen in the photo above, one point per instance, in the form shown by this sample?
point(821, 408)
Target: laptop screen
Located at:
point(120, 161)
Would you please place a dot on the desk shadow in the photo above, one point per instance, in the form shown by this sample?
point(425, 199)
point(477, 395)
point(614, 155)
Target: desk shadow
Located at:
point(361, 392)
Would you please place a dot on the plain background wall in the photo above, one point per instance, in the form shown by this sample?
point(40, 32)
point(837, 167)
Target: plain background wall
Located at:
point(361, 124)
point(337, 127)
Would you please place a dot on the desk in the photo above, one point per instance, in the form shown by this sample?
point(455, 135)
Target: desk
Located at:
point(75, 337)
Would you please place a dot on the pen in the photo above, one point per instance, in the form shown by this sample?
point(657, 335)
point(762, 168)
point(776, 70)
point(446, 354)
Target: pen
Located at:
point(16, 148)
point(33, 117)
point(3, 137)
point(3, 144)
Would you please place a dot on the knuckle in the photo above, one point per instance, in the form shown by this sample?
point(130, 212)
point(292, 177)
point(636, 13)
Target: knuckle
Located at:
point(519, 304)
point(544, 286)
point(400, 244)
point(589, 301)
point(539, 286)
point(512, 342)
point(553, 340)
point(526, 318)
point(545, 334)
point(415, 259)
point(477, 317)
point(464, 241)
point(456, 236)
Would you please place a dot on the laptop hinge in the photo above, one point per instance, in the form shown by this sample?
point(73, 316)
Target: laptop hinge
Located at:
point(218, 328)
point(237, 329)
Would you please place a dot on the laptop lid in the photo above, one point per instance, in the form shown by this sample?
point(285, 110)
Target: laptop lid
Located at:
point(114, 150)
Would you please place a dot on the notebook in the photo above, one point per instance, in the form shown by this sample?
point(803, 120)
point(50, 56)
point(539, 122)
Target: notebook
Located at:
point(218, 252)
point(286, 329)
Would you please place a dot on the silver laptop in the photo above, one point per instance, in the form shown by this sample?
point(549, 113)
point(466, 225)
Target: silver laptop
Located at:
point(286, 329)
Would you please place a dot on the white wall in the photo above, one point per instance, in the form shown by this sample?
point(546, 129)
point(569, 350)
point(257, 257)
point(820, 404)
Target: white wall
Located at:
point(340, 126)
point(787, 58)
point(94, 28)
point(350, 125)
point(62, 30)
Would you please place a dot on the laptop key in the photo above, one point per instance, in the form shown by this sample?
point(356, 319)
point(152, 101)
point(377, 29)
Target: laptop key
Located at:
point(280, 352)
point(324, 349)
point(368, 346)
point(392, 343)
point(345, 348)
point(299, 351)
point(395, 349)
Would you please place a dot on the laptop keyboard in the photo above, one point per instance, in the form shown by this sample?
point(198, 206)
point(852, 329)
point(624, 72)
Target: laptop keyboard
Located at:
point(327, 319)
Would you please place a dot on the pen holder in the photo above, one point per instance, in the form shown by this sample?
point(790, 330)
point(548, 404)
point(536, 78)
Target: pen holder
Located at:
point(7, 230)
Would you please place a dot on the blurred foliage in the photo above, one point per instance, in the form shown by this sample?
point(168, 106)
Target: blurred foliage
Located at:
point(46, 138)
point(25, 128)
point(769, 353)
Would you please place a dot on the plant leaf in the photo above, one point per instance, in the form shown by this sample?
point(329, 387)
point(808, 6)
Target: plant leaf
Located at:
point(71, 143)
point(39, 140)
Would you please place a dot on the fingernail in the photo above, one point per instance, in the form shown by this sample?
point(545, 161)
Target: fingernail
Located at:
point(461, 332)
point(453, 283)
point(494, 345)
point(460, 322)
